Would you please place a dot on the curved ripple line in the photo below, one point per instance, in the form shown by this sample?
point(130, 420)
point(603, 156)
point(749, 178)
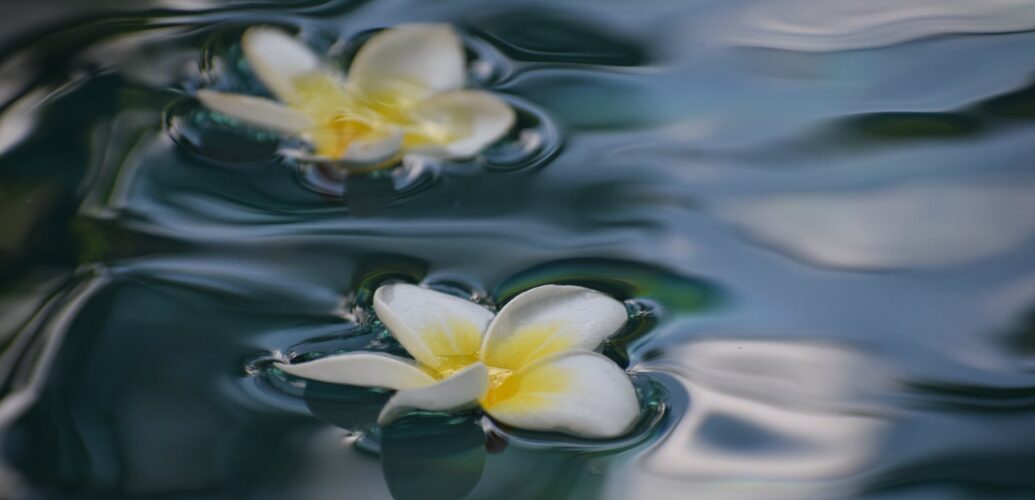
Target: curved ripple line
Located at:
point(822, 26)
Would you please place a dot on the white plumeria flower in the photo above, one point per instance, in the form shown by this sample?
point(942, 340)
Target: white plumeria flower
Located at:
point(532, 366)
point(403, 94)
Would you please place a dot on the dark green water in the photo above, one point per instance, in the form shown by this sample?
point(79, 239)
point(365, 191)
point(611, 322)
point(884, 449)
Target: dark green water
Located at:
point(821, 216)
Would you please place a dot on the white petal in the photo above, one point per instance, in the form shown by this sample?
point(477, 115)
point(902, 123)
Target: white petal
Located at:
point(431, 325)
point(362, 154)
point(477, 119)
point(256, 111)
point(462, 390)
point(365, 369)
point(578, 392)
point(278, 59)
point(428, 56)
point(550, 319)
point(374, 150)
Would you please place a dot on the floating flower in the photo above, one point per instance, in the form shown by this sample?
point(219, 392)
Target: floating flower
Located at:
point(403, 95)
point(532, 366)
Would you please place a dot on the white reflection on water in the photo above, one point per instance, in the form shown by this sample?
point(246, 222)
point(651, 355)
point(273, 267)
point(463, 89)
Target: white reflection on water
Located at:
point(18, 70)
point(783, 419)
point(902, 226)
point(20, 117)
point(150, 58)
point(827, 25)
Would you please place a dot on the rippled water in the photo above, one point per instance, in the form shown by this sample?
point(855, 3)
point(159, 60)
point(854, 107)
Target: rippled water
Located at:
point(820, 213)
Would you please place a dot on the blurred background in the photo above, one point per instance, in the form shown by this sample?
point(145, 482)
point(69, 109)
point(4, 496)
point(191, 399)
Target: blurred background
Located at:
point(821, 214)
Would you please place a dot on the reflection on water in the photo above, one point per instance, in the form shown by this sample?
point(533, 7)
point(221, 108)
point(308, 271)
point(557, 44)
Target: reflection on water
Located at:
point(826, 251)
point(843, 24)
point(789, 419)
point(905, 226)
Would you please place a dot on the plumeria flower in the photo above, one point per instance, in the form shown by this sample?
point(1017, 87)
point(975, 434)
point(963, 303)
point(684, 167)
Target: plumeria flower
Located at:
point(532, 366)
point(403, 95)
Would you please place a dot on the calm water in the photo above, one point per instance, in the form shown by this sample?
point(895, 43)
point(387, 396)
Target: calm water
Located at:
point(821, 214)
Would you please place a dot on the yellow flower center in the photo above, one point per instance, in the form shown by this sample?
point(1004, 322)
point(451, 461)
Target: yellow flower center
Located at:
point(501, 386)
point(528, 390)
point(343, 114)
point(529, 344)
point(457, 342)
point(453, 364)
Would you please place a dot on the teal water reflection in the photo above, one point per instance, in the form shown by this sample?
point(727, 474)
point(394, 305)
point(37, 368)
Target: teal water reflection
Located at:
point(819, 215)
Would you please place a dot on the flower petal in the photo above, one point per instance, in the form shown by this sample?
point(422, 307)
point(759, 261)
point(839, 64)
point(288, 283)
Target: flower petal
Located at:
point(419, 58)
point(473, 119)
point(278, 59)
point(462, 390)
point(375, 149)
point(550, 319)
point(366, 369)
point(577, 392)
point(434, 327)
point(256, 111)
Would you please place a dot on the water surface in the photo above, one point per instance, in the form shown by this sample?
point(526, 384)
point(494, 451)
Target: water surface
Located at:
point(821, 215)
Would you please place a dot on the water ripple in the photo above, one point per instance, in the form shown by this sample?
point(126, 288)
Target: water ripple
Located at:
point(808, 25)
